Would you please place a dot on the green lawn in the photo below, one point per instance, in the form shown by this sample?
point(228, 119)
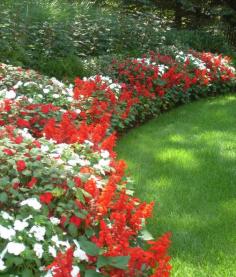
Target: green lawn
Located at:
point(185, 160)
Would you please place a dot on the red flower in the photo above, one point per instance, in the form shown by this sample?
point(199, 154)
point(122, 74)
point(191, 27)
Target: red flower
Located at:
point(22, 123)
point(18, 139)
point(161, 93)
point(20, 165)
point(32, 182)
point(46, 197)
point(75, 220)
point(7, 151)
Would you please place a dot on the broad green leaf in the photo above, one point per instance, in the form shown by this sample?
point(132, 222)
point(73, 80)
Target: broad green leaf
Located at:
point(92, 273)
point(89, 247)
point(3, 197)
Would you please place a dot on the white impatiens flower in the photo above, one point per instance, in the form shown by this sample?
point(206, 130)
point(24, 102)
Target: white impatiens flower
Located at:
point(18, 84)
point(6, 233)
point(48, 274)
point(75, 271)
point(105, 154)
point(73, 162)
point(89, 143)
point(10, 94)
point(44, 148)
point(15, 248)
point(52, 250)
point(6, 216)
point(46, 90)
point(54, 220)
point(25, 133)
point(2, 265)
point(79, 253)
point(56, 82)
point(104, 163)
point(20, 225)
point(32, 202)
point(38, 249)
point(59, 243)
point(38, 232)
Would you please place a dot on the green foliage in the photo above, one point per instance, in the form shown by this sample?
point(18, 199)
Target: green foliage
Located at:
point(54, 37)
point(200, 40)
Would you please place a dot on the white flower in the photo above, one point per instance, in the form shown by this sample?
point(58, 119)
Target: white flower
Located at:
point(32, 202)
point(54, 220)
point(38, 249)
point(6, 233)
point(25, 133)
point(2, 265)
point(105, 154)
point(52, 251)
point(10, 94)
point(59, 243)
point(104, 163)
point(20, 225)
point(48, 274)
point(46, 90)
point(38, 232)
point(72, 162)
point(79, 253)
point(55, 95)
point(88, 142)
point(6, 216)
point(56, 82)
point(44, 148)
point(75, 271)
point(18, 84)
point(15, 248)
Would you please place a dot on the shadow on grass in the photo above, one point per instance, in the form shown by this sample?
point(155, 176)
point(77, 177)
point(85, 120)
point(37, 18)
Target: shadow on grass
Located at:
point(186, 162)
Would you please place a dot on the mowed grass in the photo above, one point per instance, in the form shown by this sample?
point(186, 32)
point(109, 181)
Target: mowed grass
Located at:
point(185, 161)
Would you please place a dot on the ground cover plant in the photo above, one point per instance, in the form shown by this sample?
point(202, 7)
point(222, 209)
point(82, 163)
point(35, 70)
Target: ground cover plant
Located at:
point(185, 161)
point(60, 180)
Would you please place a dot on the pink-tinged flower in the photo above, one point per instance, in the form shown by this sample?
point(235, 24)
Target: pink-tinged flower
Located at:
point(9, 152)
point(20, 165)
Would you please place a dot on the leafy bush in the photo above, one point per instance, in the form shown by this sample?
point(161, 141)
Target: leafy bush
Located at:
point(200, 40)
point(53, 36)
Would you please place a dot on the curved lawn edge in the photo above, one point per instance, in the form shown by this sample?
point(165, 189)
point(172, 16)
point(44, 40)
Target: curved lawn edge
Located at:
point(185, 161)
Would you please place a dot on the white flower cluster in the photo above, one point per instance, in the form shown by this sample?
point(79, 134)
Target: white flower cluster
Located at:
point(16, 82)
point(21, 234)
point(162, 68)
point(183, 57)
point(64, 155)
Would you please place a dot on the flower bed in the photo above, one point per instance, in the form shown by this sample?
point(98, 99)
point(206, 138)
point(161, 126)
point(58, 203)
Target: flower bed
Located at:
point(67, 208)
